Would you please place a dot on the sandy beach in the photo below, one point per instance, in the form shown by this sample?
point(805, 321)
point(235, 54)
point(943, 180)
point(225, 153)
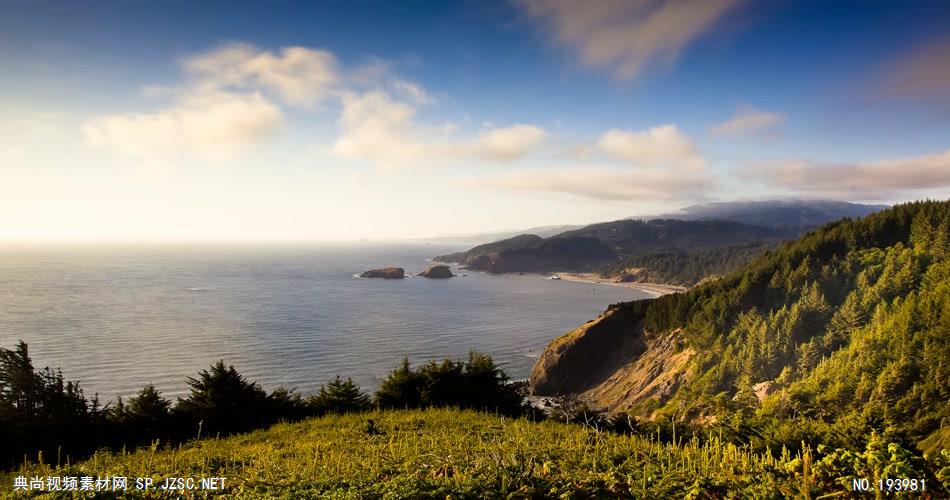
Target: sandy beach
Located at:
point(654, 288)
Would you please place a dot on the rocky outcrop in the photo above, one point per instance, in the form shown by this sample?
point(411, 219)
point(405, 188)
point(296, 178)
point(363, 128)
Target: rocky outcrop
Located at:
point(389, 273)
point(582, 359)
point(437, 271)
point(611, 363)
point(763, 389)
point(656, 374)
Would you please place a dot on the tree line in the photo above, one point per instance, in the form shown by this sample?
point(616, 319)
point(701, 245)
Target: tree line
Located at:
point(42, 412)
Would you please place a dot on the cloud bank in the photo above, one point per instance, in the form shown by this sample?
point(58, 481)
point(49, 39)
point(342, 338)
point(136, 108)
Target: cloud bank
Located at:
point(603, 183)
point(377, 128)
point(211, 125)
point(664, 145)
point(859, 181)
point(626, 36)
point(658, 163)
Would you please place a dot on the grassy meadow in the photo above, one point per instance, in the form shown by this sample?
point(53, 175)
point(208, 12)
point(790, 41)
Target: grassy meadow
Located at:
point(444, 453)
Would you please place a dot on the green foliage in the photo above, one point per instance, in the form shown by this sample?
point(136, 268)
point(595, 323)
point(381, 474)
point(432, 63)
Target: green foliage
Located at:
point(340, 396)
point(223, 401)
point(476, 383)
point(686, 267)
point(42, 410)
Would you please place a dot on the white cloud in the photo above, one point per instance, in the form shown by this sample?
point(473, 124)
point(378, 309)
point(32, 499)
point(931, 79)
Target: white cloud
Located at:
point(859, 181)
point(509, 143)
point(299, 75)
point(221, 107)
point(625, 36)
point(413, 91)
point(224, 104)
point(212, 126)
point(380, 129)
point(658, 163)
point(601, 183)
point(664, 145)
point(748, 121)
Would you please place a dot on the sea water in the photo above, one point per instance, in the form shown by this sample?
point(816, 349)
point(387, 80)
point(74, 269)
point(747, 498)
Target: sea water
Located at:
point(121, 316)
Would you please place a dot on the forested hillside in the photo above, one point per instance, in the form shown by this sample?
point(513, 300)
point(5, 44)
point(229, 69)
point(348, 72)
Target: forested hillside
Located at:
point(685, 267)
point(604, 244)
point(827, 339)
point(530, 253)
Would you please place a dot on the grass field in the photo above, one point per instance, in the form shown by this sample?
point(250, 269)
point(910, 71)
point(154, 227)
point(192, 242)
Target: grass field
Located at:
point(442, 453)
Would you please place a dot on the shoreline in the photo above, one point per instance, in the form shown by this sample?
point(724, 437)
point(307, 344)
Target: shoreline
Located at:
point(658, 289)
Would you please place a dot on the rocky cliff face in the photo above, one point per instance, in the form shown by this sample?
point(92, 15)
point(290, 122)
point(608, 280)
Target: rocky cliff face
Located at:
point(655, 374)
point(582, 359)
point(611, 363)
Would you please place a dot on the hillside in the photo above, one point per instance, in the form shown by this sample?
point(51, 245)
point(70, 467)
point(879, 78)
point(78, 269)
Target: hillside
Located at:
point(443, 453)
point(685, 267)
point(682, 248)
point(601, 244)
point(531, 253)
point(829, 338)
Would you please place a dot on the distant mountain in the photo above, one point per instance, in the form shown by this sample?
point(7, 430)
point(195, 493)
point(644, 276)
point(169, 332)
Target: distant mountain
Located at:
point(532, 253)
point(682, 248)
point(776, 213)
point(598, 244)
point(629, 237)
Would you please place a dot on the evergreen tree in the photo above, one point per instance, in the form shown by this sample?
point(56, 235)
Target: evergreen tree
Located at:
point(340, 396)
point(223, 401)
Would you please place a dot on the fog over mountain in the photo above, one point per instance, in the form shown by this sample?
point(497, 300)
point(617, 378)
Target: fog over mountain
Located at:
point(775, 212)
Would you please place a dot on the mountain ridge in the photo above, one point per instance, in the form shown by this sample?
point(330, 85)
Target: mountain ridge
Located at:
point(638, 246)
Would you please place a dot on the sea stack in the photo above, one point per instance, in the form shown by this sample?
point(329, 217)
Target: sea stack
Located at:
point(388, 273)
point(438, 271)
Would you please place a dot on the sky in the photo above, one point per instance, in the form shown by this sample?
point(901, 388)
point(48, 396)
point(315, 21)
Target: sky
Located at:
point(245, 121)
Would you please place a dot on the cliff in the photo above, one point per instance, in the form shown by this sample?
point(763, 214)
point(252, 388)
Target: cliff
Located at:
point(611, 363)
point(567, 367)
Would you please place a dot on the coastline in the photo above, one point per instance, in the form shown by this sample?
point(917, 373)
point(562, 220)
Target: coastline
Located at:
point(658, 289)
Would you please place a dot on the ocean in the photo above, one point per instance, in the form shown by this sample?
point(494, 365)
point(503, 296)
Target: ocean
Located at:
point(121, 316)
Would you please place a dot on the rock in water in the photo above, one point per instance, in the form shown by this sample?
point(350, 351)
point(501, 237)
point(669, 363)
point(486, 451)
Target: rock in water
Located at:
point(437, 272)
point(389, 273)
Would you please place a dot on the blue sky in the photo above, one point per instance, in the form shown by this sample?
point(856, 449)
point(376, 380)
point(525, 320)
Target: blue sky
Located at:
point(346, 120)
